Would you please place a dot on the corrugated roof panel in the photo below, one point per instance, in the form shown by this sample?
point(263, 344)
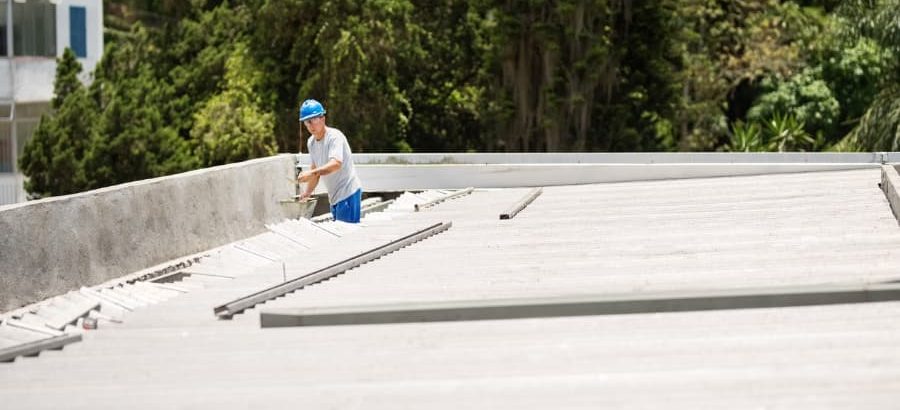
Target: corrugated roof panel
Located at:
point(720, 233)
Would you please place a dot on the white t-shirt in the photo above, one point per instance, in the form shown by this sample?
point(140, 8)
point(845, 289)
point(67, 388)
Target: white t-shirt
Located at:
point(344, 182)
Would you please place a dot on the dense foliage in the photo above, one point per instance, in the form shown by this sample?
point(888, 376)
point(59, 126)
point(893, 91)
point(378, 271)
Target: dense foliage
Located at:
point(187, 84)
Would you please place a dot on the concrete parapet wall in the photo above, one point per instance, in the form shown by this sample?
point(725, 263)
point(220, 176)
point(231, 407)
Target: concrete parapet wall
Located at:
point(454, 176)
point(890, 183)
point(54, 245)
point(628, 158)
point(400, 172)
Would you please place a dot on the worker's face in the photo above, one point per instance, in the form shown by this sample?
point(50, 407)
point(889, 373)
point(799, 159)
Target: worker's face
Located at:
point(315, 125)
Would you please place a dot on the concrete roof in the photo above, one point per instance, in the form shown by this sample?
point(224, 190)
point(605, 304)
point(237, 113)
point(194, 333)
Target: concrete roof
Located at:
point(680, 235)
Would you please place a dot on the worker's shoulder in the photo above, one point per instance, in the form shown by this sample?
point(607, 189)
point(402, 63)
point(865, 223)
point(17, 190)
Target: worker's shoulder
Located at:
point(334, 132)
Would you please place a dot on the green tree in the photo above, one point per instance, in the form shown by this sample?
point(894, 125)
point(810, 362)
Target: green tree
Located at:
point(231, 126)
point(443, 74)
point(577, 74)
point(135, 140)
point(835, 88)
point(286, 29)
point(360, 47)
point(728, 46)
point(853, 71)
point(449, 75)
point(121, 15)
point(879, 127)
point(194, 60)
point(53, 159)
point(806, 96)
point(393, 74)
point(136, 137)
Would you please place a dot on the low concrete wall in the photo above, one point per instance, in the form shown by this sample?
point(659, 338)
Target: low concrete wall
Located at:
point(627, 158)
point(54, 245)
point(401, 172)
point(890, 183)
point(392, 178)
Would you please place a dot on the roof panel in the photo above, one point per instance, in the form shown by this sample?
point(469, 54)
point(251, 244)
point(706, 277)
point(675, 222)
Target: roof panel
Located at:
point(718, 233)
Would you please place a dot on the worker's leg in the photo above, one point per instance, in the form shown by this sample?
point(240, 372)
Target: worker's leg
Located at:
point(348, 210)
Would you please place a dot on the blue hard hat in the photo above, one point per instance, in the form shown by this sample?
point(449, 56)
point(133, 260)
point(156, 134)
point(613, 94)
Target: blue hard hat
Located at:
point(311, 109)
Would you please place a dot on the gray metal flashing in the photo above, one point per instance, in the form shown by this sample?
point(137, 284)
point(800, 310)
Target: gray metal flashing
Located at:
point(244, 248)
point(377, 207)
point(521, 204)
point(117, 294)
point(34, 328)
point(236, 306)
point(169, 287)
point(204, 273)
point(432, 202)
point(106, 297)
point(136, 294)
point(890, 185)
point(32, 348)
point(279, 231)
point(171, 277)
point(393, 178)
point(645, 158)
point(71, 316)
point(321, 227)
point(157, 270)
point(581, 305)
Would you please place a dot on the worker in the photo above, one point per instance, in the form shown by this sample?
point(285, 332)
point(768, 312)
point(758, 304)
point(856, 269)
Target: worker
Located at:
point(330, 160)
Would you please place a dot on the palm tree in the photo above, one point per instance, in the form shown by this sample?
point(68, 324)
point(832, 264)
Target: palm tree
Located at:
point(879, 128)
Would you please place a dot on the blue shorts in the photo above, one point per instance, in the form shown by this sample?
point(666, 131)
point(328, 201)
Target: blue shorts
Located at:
point(347, 210)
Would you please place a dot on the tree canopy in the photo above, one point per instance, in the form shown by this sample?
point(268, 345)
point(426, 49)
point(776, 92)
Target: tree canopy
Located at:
point(187, 84)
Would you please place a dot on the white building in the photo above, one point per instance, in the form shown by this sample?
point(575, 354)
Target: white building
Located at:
point(33, 33)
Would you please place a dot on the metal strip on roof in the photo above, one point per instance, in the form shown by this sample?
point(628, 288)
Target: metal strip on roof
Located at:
point(229, 309)
point(31, 348)
point(521, 204)
point(443, 198)
point(581, 305)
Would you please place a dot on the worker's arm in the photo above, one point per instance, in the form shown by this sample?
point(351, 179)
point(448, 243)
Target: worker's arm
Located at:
point(311, 177)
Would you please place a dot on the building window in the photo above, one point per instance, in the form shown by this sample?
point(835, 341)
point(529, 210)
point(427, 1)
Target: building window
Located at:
point(34, 28)
point(6, 157)
point(78, 30)
point(32, 111)
point(3, 28)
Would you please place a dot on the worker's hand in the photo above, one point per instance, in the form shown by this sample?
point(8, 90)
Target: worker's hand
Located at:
point(305, 176)
point(303, 196)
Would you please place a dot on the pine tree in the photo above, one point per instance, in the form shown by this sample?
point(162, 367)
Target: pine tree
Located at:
point(135, 138)
point(53, 160)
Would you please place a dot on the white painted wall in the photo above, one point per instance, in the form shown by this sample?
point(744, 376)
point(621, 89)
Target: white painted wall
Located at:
point(5, 79)
point(30, 79)
point(94, 9)
point(11, 189)
point(34, 79)
point(34, 75)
